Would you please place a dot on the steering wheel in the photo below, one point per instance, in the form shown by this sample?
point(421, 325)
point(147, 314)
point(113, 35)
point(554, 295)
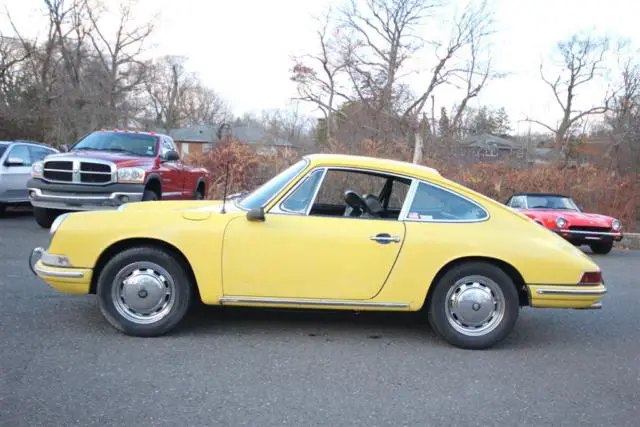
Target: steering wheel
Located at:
point(356, 203)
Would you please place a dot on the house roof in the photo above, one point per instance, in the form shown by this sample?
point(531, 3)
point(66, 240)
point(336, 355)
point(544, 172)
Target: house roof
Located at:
point(486, 139)
point(194, 133)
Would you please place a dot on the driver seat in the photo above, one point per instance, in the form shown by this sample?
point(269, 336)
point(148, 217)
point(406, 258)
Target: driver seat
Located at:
point(374, 205)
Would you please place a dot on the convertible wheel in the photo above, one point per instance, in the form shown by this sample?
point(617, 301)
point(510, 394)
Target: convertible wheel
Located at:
point(144, 291)
point(474, 306)
point(601, 248)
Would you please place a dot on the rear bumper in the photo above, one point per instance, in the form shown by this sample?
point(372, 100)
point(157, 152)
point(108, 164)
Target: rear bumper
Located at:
point(78, 197)
point(566, 296)
point(589, 237)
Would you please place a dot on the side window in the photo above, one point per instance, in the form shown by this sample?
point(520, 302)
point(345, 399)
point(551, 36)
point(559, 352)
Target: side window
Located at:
point(39, 153)
point(399, 192)
point(21, 152)
point(299, 200)
point(517, 202)
point(336, 182)
point(167, 145)
point(432, 203)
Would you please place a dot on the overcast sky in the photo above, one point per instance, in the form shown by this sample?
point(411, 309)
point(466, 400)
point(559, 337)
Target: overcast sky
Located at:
point(242, 48)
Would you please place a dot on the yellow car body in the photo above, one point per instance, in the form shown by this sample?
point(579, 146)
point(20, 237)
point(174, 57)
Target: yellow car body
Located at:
point(294, 259)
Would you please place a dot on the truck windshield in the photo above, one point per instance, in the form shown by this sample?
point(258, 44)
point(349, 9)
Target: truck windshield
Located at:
point(269, 189)
point(132, 143)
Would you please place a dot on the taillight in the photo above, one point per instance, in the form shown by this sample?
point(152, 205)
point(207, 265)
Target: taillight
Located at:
point(591, 278)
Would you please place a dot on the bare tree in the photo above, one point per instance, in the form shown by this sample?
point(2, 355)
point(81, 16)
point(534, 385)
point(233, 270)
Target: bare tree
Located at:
point(582, 61)
point(317, 75)
point(204, 106)
point(382, 36)
point(119, 55)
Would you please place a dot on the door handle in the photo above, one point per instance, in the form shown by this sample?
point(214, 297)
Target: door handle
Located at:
point(384, 238)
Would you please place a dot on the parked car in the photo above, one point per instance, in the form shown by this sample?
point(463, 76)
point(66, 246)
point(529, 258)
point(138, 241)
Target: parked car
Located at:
point(560, 214)
point(16, 158)
point(330, 231)
point(108, 168)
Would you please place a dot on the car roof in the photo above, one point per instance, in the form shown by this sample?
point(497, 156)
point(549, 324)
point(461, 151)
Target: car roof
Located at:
point(539, 194)
point(28, 142)
point(139, 132)
point(376, 163)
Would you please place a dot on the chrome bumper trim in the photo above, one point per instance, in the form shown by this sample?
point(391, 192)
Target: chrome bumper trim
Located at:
point(79, 202)
point(572, 292)
point(59, 274)
point(256, 300)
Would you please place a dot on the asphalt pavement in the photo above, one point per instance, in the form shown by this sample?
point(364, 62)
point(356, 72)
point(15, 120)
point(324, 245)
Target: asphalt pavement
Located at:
point(61, 364)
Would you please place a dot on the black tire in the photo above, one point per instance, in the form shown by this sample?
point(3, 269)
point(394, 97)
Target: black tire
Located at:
point(199, 194)
point(141, 257)
point(45, 217)
point(149, 196)
point(462, 336)
point(601, 248)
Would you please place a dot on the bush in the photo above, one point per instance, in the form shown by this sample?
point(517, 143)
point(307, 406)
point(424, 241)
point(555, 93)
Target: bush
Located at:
point(594, 188)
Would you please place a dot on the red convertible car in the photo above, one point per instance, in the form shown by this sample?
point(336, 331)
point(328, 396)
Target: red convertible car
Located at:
point(559, 213)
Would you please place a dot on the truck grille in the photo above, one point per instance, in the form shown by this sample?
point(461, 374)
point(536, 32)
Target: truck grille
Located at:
point(86, 172)
point(588, 228)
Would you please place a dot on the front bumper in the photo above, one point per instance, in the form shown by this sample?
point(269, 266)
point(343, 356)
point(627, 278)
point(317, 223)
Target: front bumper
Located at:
point(588, 237)
point(566, 296)
point(79, 197)
point(70, 280)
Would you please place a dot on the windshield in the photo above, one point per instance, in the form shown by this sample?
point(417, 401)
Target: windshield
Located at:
point(132, 143)
point(551, 202)
point(269, 189)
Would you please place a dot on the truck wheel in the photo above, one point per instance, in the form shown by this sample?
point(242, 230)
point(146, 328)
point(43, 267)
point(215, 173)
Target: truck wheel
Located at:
point(144, 291)
point(149, 196)
point(45, 217)
point(474, 306)
point(601, 248)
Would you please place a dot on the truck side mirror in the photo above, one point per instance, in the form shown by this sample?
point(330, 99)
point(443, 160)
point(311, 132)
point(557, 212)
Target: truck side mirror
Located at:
point(14, 161)
point(172, 156)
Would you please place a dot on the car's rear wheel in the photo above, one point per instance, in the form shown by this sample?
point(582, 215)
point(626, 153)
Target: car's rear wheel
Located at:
point(601, 248)
point(474, 305)
point(144, 291)
point(45, 217)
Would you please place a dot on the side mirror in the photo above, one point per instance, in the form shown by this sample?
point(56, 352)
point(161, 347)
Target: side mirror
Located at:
point(14, 161)
point(256, 214)
point(171, 156)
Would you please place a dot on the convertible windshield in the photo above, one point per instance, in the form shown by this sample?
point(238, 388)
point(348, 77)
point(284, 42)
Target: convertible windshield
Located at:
point(269, 189)
point(551, 202)
point(138, 144)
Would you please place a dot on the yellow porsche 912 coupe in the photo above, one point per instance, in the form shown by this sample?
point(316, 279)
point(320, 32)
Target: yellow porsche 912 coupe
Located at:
point(330, 231)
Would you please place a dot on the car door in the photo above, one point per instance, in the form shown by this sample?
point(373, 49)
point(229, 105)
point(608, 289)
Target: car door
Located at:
point(170, 172)
point(16, 171)
point(307, 249)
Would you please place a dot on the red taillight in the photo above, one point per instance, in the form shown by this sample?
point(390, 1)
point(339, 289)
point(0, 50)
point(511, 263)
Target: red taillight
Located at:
point(591, 278)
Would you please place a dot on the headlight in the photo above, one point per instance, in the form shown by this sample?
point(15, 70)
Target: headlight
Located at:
point(131, 175)
point(561, 222)
point(616, 225)
point(36, 169)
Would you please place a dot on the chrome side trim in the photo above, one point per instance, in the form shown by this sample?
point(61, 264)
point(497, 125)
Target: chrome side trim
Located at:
point(573, 292)
point(596, 233)
point(62, 274)
point(316, 302)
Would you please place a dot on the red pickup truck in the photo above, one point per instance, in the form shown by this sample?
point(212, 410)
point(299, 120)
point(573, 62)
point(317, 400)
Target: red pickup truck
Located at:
point(108, 168)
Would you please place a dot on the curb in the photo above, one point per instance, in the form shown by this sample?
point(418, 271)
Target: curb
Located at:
point(629, 241)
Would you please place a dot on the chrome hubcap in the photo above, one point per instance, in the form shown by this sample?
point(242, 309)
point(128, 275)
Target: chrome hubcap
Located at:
point(143, 292)
point(475, 305)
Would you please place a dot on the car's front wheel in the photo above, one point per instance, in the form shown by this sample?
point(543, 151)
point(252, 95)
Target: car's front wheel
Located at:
point(601, 248)
point(144, 291)
point(474, 305)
